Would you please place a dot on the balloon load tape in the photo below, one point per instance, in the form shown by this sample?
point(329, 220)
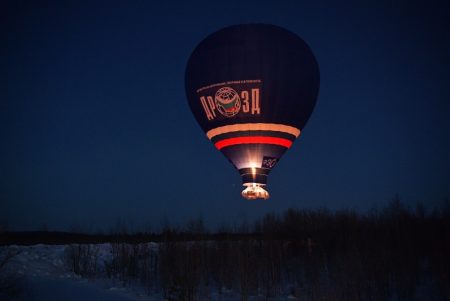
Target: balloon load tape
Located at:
point(254, 175)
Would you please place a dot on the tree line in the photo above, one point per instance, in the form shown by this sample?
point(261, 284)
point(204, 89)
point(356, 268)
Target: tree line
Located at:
point(394, 253)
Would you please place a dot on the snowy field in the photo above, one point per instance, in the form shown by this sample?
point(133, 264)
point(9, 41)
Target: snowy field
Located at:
point(225, 270)
point(44, 273)
point(41, 272)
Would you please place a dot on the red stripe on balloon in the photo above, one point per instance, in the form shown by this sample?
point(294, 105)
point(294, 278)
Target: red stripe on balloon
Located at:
point(253, 140)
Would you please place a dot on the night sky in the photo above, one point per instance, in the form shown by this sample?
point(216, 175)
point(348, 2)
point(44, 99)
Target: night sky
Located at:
point(95, 127)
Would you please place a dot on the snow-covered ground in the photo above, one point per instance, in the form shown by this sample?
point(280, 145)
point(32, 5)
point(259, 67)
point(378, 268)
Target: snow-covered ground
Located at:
point(40, 272)
point(45, 273)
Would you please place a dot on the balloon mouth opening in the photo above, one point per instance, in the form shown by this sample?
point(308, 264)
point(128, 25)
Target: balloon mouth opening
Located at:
point(254, 191)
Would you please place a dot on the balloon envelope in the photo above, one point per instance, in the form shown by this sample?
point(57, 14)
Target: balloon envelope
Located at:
point(252, 88)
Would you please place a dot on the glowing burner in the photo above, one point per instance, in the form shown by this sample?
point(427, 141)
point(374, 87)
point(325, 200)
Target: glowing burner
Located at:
point(254, 191)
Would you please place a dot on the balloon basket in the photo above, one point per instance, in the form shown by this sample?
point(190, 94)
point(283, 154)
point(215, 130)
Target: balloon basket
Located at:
point(254, 191)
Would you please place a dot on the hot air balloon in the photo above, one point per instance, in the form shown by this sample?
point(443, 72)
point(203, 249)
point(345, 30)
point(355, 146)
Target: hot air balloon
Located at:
point(252, 88)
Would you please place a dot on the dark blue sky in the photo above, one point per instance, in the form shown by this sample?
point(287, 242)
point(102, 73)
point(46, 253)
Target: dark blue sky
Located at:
point(95, 126)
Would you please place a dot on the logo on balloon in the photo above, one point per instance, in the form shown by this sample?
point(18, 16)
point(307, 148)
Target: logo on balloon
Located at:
point(269, 162)
point(227, 101)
